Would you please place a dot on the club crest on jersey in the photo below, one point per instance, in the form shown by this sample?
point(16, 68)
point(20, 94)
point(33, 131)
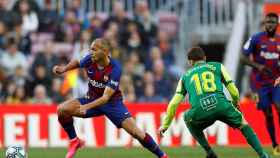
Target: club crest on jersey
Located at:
point(106, 78)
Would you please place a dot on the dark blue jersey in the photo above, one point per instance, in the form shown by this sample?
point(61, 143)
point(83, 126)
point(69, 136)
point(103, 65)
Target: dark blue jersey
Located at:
point(265, 51)
point(100, 78)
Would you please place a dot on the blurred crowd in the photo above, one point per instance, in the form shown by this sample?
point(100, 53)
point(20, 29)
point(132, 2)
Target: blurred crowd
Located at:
point(33, 39)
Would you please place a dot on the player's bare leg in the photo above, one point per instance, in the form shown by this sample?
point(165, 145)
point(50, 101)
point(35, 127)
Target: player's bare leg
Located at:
point(144, 138)
point(269, 121)
point(65, 112)
point(252, 139)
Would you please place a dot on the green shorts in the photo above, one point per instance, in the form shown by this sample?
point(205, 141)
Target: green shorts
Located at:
point(230, 115)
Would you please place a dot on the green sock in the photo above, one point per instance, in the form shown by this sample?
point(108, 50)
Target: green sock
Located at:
point(253, 140)
point(200, 137)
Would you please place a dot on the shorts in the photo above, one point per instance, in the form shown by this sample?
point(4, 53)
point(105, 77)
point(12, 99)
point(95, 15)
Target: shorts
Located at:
point(231, 116)
point(116, 111)
point(268, 96)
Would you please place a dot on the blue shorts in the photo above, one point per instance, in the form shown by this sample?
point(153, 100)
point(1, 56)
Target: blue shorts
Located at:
point(116, 111)
point(268, 96)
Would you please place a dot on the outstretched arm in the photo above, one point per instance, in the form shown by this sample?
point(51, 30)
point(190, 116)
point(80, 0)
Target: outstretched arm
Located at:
point(172, 107)
point(74, 64)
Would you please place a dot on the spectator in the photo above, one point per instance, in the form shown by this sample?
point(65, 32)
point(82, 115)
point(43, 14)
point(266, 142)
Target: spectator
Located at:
point(154, 55)
point(46, 58)
point(150, 96)
point(127, 88)
point(166, 48)
point(7, 17)
point(9, 90)
point(119, 16)
point(136, 78)
point(19, 77)
point(40, 95)
point(79, 11)
point(55, 92)
point(134, 40)
point(148, 78)
point(144, 18)
point(17, 97)
point(3, 33)
point(138, 67)
point(48, 18)
point(12, 58)
point(29, 17)
point(23, 41)
point(163, 85)
point(116, 51)
point(32, 4)
point(96, 27)
point(40, 78)
point(71, 24)
point(81, 47)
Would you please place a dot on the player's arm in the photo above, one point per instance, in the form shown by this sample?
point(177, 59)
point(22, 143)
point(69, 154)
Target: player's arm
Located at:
point(60, 69)
point(73, 64)
point(248, 49)
point(172, 107)
point(108, 92)
point(233, 91)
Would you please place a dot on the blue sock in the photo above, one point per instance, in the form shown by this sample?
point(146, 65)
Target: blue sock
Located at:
point(151, 145)
point(271, 131)
point(68, 127)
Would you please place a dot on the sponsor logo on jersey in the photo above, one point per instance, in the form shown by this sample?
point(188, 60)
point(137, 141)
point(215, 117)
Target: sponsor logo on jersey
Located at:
point(269, 55)
point(115, 83)
point(97, 84)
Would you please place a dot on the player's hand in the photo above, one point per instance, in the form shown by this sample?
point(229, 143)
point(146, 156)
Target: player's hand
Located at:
point(277, 82)
point(161, 131)
point(58, 70)
point(83, 109)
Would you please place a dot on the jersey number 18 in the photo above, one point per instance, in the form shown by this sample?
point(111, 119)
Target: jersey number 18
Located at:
point(206, 79)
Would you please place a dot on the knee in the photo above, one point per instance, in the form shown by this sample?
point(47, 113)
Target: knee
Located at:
point(61, 109)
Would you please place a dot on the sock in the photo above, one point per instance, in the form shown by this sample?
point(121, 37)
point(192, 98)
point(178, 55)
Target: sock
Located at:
point(67, 124)
point(201, 139)
point(151, 145)
point(271, 130)
point(253, 140)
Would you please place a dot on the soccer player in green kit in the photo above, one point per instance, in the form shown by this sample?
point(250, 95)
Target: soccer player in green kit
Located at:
point(204, 84)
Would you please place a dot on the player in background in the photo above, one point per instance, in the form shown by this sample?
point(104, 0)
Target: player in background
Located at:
point(103, 98)
point(204, 84)
point(262, 52)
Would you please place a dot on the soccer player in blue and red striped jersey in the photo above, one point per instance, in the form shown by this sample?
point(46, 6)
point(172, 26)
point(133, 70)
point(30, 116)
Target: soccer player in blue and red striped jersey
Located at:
point(103, 98)
point(262, 52)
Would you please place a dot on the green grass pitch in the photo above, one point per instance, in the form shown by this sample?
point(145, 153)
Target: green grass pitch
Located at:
point(174, 152)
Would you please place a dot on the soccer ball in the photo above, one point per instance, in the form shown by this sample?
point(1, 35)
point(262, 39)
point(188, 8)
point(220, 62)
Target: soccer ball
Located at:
point(15, 151)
